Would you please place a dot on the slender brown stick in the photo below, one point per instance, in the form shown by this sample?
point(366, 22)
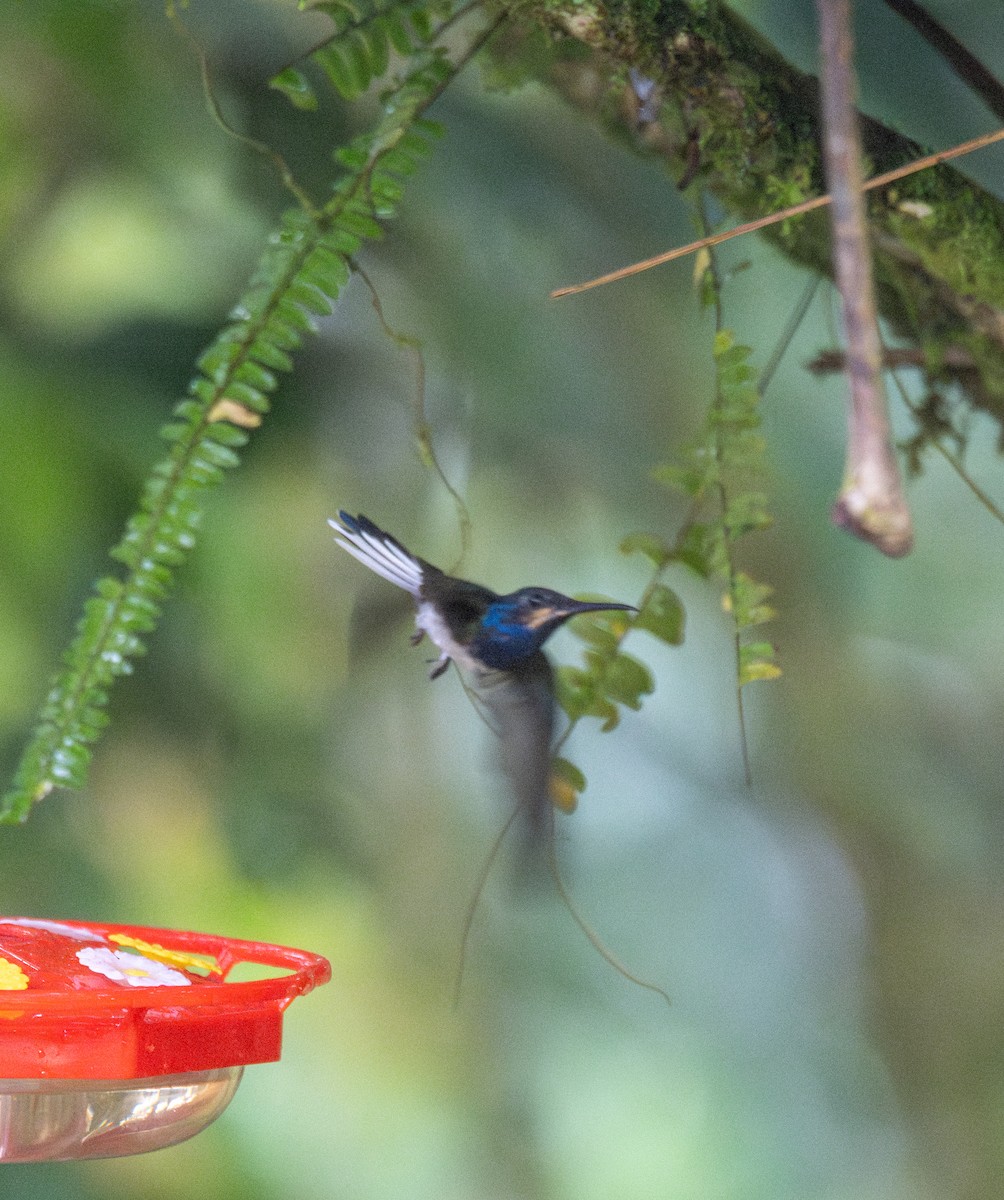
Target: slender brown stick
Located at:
point(796, 210)
point(871, 503)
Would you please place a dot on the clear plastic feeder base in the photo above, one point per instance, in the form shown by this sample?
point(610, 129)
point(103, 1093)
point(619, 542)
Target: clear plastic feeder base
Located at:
point(49, 1119)
point(117, 1039)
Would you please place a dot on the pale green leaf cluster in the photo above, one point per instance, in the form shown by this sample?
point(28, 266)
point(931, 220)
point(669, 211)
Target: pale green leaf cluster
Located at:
point(723, 475)
point(610, 679)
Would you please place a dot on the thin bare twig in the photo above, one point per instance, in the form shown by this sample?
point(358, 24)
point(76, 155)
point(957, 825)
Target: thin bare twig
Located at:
point(787, 335)
point(796, 210)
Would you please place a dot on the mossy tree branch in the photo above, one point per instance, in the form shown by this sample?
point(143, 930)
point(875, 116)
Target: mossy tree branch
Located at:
point(740, 120)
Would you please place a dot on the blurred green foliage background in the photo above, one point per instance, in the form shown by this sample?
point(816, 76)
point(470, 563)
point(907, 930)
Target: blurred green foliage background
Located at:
point(280, 768)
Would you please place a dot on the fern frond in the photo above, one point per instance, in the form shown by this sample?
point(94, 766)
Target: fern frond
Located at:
point(359, 50)
point(301, 273)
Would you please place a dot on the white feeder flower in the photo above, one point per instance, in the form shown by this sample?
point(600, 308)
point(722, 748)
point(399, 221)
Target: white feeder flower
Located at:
point(131, 969)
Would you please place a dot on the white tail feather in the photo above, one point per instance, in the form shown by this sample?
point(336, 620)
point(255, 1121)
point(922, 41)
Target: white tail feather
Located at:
point(386, 558)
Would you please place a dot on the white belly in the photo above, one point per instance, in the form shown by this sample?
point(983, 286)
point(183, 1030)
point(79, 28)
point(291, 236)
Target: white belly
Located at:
point(432, 624)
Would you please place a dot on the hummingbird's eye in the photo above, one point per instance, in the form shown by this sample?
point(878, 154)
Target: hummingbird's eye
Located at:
point(537, 597)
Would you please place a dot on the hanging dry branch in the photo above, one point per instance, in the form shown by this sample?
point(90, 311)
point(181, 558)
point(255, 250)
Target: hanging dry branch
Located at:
point(871, 503)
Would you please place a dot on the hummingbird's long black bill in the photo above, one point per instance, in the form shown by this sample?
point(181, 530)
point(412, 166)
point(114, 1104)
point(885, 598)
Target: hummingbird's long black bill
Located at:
point(576, 607)
point(600, 606)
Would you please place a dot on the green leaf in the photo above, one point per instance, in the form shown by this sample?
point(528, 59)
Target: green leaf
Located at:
point(360, 222)
point(596, 633)
point(217, 454)
point(293, 318)
point(341, 241)
point(748, 601)
point(264, 352)
point(653, 548)
point(281, 334)
point(416, 138)
point(724, 339)
point(574, 690)
point(577, 692)
point(309, 297)
point(255, 375)
point(607, 713)
point(354, 156)
point(756, 662)
point(327, 271)
point(627, 680)
point(340, 11)
point(400, 37)
point(696, 549)
point(386, 192)
point(601, 629)
point(227, 434)
point(569, 772)
point(692, 478)
point(357, 51)
point(421, 22)
point(567, 783)
point(746, 513)
point(244, 393)
point(295, 86)
point(663, 615)
point(379, 46)
point(216, 361)
point(336, 64)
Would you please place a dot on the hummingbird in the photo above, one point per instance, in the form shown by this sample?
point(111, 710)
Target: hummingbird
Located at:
point(496, 643)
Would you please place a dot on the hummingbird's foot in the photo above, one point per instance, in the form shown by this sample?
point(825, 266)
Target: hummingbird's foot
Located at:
point(441, 664)
point(417, 636)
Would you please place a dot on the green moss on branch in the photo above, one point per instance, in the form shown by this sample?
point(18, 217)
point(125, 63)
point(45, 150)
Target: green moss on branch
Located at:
point(737, 118)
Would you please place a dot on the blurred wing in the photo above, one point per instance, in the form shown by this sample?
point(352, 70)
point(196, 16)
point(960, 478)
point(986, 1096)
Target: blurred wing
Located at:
point(520, 706)
point(378, 551)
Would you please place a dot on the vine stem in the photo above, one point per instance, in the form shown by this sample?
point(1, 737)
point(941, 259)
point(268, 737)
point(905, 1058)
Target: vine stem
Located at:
point(723, 500)
point(421, 430)
point(593, 937)
point(590, 934)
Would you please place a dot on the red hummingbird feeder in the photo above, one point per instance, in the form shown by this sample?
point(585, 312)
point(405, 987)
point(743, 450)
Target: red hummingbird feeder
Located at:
point(117, 1039)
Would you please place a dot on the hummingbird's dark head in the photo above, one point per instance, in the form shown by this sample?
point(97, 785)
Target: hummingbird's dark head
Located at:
point(517, 625)
point(540, 608)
